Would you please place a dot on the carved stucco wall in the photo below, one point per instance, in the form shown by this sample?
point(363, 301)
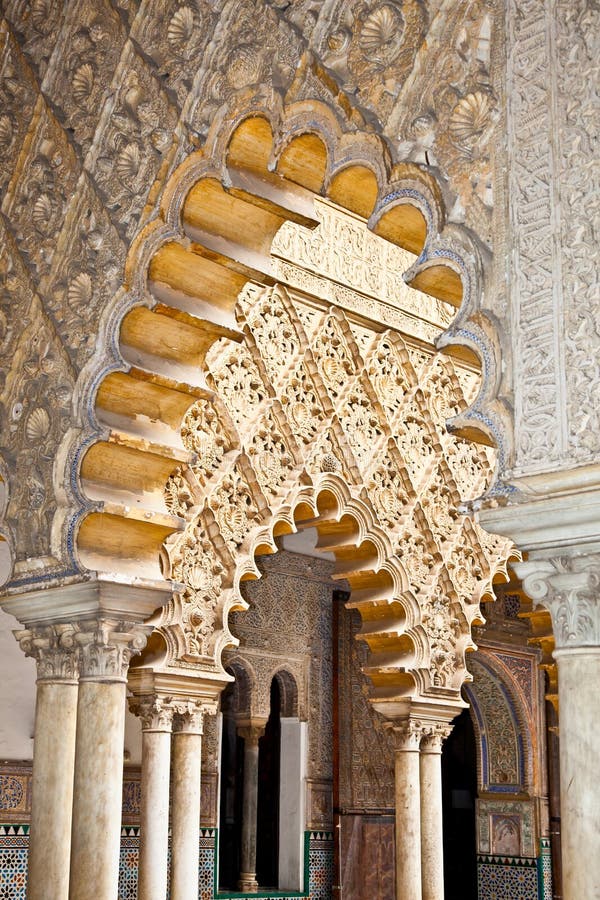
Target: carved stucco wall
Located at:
point(99, 103)
point(288, 627)
point(554, 215)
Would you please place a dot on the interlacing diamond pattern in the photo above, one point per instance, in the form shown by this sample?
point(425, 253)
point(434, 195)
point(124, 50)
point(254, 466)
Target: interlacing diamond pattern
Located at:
point(308, 404)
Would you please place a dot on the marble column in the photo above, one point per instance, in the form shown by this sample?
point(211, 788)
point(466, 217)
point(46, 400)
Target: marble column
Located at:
point(56, 655)
point(251, 731)
point(408, 811)
point(569, 586)
point(185, 816)
point(106, 647)
point(156, 714)
point(432, 849)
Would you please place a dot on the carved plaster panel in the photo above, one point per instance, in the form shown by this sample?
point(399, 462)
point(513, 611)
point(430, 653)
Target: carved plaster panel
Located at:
point(554, 210)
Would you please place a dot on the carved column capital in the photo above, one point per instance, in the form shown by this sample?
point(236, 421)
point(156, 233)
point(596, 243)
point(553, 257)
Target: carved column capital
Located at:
point(189, 715)
point(106, 646)
point(434, 736)
point(156, 712)
point(251, 730)
point(407, 734)
point(569, 587)
point(55, 651)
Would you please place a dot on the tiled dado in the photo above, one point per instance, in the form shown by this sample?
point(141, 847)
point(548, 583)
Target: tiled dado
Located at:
point(507, 878)
point(14, 845)
point(318, 872)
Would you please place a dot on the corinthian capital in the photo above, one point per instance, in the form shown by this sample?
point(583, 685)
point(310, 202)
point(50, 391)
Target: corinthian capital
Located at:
point(106, 646)
point(155, 712)
point(569, 587)
point(54, 649)
point(189, 715)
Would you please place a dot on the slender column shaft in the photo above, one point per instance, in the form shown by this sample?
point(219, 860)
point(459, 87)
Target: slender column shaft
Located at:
point(53, 760)
point(578, 679)
point(185, 824)
point(156, 716)
point(251, 734)
point(432, 849)
point(98, 784)
point(408, 818)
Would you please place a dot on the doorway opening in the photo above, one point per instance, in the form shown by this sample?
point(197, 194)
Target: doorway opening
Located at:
point(232, 791)
point(267, 826)
point(459, 791)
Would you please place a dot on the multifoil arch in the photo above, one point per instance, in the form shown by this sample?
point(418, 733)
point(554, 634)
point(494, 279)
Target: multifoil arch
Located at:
point(198, 273)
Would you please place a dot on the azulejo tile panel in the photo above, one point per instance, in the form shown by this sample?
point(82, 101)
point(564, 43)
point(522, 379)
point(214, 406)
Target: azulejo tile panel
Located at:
point(320, 865)
point(14, 845)
point(128, 863)
point(545, 869)
point(507, 878)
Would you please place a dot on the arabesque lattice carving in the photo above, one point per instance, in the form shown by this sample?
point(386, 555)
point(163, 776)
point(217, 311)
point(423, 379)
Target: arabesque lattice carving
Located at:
point(389, 433)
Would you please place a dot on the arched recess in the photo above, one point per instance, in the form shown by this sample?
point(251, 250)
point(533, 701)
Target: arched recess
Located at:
point(227, 425)
point(505, 755)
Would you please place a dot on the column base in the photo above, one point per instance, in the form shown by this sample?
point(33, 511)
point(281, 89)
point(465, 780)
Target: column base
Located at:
point(248, 883)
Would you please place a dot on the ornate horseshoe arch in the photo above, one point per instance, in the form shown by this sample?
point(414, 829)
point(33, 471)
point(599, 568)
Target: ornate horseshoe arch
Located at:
point(233, 417)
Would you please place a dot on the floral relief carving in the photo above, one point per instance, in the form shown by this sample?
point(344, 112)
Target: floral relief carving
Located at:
point(238, 381)
point(202, 433)
point(275, 332)
point(302, 404)
point(199, 574)
point(271, 456)
point(234, 507)
point(333, 356)
point(443, 629)
point(179, 497)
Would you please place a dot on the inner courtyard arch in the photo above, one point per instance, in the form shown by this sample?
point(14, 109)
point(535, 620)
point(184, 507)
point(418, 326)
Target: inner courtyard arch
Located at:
point(242, 406)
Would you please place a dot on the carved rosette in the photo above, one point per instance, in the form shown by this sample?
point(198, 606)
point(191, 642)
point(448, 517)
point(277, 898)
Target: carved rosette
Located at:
point(55, 650)
point(569, 587)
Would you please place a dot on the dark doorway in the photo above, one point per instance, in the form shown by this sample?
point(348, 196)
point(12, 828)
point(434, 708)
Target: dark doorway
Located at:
point(232, 788)
point(267, 835)
point(459, 785)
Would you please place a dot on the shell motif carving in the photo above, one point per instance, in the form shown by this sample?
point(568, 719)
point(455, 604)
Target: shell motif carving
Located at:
point(470, 118)
point(6, 132)
point(128, 163)
point(181, 27)
point(381, 35)
point(83, 83)
point(38, 425)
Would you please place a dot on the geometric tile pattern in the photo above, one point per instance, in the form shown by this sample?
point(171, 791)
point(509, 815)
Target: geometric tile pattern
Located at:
point(318, 869)
point(14, 843)
point(545, 869)
point(320, 865)
point(507, 878)
point(206, 869)
point(128, 863)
